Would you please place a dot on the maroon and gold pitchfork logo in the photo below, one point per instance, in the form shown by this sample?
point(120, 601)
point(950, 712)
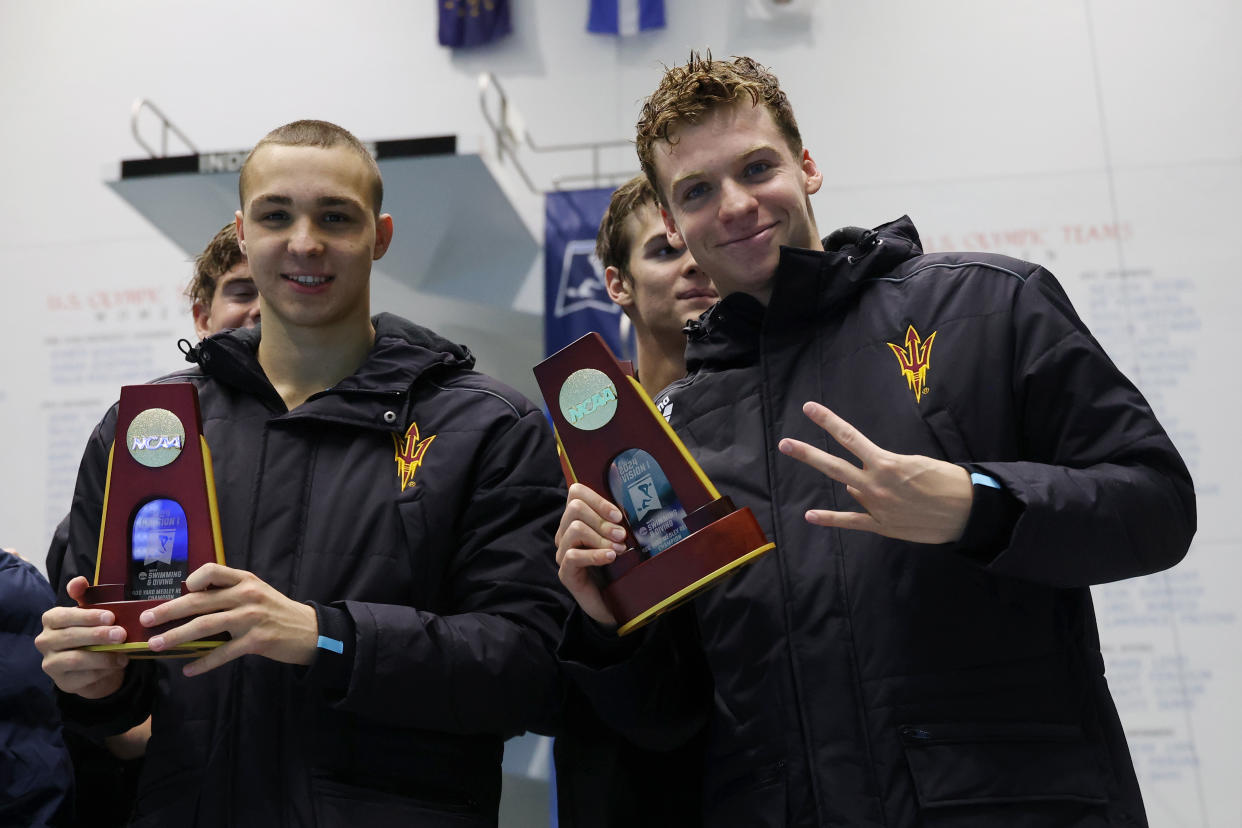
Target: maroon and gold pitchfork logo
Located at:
point(915, 359)
point(410, 453)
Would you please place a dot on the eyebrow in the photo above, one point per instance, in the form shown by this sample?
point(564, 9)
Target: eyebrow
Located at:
point(740, 156)
point(322, 201)
point(661, 236)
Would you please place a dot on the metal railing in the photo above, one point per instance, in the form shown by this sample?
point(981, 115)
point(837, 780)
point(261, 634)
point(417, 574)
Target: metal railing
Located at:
point(506, 125)
point(167, 126)
point(511, 135)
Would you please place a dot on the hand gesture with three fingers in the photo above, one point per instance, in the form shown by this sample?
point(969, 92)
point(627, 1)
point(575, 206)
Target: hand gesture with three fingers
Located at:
point(589, 535)
point(906, 496)
point(260, 619)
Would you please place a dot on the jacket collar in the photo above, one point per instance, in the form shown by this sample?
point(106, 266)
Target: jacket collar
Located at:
point(403, 352)
point(808, 285)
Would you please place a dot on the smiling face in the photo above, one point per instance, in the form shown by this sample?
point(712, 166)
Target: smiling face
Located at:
point(736, 192)
point(234, 304)
point(664, 286)
point(310, 233)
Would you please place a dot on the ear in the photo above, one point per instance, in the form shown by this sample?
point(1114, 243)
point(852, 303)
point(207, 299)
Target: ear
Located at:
point(201, 313)
point(241, 233)
point(814, 178)
point(670, 227)
point(383, 236)
point(618, 291)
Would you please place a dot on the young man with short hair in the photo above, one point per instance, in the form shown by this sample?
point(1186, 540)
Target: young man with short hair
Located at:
point(658, 286)
point(222, 294)
point(385, 513)
point(939, 663)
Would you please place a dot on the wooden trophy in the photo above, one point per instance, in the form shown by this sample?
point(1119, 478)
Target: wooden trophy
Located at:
point(160, 521)
point(681, 534)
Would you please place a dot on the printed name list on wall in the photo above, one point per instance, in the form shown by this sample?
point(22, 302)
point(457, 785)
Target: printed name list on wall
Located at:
point(98, 340)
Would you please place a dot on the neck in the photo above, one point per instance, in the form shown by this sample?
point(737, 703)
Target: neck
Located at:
point(300, 361)
point(659, 362)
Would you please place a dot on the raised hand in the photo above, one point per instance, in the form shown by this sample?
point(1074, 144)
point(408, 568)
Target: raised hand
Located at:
point(906, 496)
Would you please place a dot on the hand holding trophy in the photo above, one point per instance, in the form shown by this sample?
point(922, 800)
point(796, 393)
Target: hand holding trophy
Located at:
point(160, 521)
point(681, 534)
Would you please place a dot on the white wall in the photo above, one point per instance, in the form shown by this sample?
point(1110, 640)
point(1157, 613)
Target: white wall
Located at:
point(1096, 137)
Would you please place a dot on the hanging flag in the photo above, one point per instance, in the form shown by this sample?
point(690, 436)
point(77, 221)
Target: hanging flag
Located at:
point(473, 22)
point(625, 17)
point(575, 297)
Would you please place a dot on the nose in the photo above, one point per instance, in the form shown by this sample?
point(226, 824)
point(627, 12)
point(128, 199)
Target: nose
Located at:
point(304, 240)
point(735, 200)
point(689, 267)
point(252, 314)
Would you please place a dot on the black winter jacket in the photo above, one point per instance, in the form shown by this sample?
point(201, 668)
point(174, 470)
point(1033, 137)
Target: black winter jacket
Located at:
point(444, 590)
point(36, 778)
point(862, 681)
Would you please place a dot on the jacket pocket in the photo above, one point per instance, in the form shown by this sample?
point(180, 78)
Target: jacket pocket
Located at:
point(961, 764)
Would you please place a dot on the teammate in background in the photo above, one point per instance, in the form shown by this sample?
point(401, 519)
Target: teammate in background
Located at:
point(222, 293)
point(658, 286)
point(602, 778)
point(921, 647)
point(387, 513)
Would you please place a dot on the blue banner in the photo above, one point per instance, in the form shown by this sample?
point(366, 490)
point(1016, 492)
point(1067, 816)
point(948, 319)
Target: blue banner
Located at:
point(575, 297)
point(625, 17)
point(473, 22)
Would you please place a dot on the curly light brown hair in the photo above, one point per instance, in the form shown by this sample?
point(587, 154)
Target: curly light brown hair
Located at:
point(686, 94)
point(323, 135)
point(613, 244)
point(220, 256)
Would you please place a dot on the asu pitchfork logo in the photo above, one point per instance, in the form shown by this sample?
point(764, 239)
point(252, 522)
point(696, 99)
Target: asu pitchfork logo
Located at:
point(915, 359)
point(410, 453)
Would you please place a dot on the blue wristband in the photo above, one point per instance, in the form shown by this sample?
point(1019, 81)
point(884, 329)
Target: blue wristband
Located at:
point(977, 479)
point(330, 644)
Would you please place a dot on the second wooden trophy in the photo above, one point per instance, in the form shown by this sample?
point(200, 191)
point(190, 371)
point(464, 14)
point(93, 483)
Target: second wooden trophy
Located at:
point(682, 535)
point(160, 520)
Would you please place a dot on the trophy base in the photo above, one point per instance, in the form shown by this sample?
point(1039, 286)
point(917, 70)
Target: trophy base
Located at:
point(680, 572)
point(139, 649)
point(126, 614)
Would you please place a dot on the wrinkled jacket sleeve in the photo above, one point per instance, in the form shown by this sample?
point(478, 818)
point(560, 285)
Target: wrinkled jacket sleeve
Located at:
point(1104, 493)
point(653, 686)
point(131, 704)
point(483, 661)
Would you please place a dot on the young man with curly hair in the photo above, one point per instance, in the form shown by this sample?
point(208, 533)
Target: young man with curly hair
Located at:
point(946, 461)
